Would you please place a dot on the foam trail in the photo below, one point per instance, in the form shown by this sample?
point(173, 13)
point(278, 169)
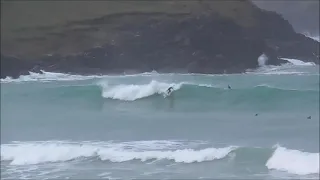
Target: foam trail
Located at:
point(298, 62)
point(294, 161)
point(133, 92)
point(36, 153)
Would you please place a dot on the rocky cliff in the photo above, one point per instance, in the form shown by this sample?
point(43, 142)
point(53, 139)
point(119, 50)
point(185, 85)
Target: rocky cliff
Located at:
point(303, 15)
point(90, 37)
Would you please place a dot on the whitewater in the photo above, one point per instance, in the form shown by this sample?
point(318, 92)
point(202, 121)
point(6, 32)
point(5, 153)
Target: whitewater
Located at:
point(67, 126)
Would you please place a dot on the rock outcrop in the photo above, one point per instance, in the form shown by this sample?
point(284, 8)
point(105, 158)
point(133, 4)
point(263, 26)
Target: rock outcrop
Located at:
point(303, 15)
point(169, 36)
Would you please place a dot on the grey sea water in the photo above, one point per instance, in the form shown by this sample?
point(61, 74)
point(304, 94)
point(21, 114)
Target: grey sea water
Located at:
point(126, 127)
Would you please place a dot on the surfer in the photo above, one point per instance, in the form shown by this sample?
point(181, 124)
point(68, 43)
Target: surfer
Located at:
point(169, 90)
point(229, 87)
point(309, 117)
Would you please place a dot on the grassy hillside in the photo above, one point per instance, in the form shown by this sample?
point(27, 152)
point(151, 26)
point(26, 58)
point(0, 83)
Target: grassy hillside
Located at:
point(33, 28)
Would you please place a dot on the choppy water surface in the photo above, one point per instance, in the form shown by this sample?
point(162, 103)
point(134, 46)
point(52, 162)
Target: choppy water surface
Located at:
point(70, 126)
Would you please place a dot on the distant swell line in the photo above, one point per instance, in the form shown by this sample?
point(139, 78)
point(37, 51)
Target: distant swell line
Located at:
point(44, 76)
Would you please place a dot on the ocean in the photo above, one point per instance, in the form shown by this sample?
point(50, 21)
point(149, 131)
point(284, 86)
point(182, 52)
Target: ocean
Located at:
point(61, 126)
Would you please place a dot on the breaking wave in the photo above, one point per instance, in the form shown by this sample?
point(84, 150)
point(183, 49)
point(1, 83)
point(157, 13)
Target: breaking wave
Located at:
point(187, 90)
point(276, 158)
point(294, 161)
point(298, 62)
point(314, 37)
point(43, 152)
point(156, 91)
point(133, 92)
point(292, 67)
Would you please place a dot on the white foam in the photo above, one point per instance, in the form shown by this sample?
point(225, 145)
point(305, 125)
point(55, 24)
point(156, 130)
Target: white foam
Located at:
point(133, 92)
point(52, 76)
point(201, 85)
point(317, 38)
point(276, 70)
point(294, 161)
point(293, 67)
point(48, 76)
point(314, 37)
point(37, 152)
point(180, 156)
point(298, 62)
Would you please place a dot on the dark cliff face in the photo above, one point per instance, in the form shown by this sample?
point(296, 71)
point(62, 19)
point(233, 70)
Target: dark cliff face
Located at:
point(217, 37)
point(303, 15)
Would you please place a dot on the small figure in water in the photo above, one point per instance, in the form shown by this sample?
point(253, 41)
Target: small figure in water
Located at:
point(256, 114)
point(169, 90)
point(229, 87)
point(309, 117)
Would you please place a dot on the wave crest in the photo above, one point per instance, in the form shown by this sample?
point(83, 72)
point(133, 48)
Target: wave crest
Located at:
point(36, 153)
point(278, 158)
point(133, 92)
point(298, 62)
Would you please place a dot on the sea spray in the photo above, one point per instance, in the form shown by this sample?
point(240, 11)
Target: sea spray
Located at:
point(292, 67)
point(314, 37)
point(298, 62)
point(262, 60)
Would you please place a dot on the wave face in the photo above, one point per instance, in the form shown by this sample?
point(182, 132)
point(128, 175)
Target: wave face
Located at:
point(277, 158)
point(217, 96)
point(211, 90)
point(191, 94)
point(187, 90)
